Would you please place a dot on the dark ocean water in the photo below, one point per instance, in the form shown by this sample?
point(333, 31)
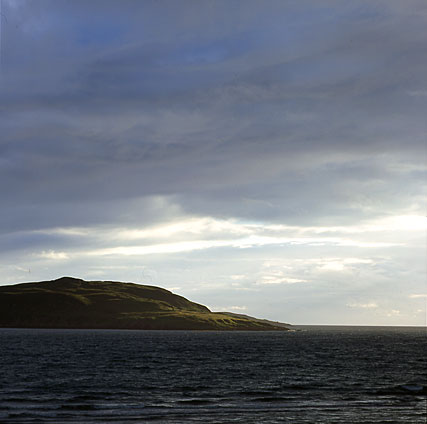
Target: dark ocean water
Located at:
point(317, 375)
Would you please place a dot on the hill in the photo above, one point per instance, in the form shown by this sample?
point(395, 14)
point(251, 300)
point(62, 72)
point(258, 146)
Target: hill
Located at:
point(74, 303)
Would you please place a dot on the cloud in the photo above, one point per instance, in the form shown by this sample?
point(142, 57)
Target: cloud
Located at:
point(238, 277)
point(418, 93)
point(229, 308)
point(371, 305)
point(279, 279)
point(53, 255)
point(198, 233)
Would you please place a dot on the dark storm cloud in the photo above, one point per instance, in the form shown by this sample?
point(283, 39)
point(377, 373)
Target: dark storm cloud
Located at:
point(264, 111)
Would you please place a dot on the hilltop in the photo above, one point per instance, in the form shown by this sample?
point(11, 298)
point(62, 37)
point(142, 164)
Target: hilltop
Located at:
point(74, 303)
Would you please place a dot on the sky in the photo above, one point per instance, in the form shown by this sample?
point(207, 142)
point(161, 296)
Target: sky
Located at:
point(261, 157)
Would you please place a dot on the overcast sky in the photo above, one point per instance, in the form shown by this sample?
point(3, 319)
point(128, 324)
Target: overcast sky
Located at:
point(263, 157)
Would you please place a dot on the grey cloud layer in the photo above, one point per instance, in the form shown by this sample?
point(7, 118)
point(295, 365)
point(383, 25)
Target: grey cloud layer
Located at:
point(285, 111)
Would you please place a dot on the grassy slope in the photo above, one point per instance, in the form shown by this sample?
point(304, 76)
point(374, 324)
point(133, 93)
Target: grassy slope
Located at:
point(266, 321)
point(74, 303)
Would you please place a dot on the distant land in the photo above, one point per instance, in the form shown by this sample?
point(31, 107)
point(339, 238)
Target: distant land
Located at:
point(74, 303)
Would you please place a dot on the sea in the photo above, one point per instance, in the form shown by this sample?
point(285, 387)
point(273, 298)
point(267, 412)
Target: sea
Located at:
point(314, 374)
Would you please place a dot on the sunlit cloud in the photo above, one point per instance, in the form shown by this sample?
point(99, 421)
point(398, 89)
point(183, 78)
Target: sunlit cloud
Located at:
point(159, 248)
point(340, 264)
point(332, 266)
point(234, 308)
point(238, 277)
point(70, 231)
point(187, 227)
point(404, 223)
point(370, 305)
point(242, 243)
point(206, 233)
point(252, 233)
point(51, 254)
point(276, 279)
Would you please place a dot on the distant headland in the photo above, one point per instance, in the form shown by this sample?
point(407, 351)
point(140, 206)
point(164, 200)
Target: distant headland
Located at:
point(74, 303)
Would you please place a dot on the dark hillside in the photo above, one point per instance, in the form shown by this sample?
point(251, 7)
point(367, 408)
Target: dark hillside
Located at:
point(74, 303)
